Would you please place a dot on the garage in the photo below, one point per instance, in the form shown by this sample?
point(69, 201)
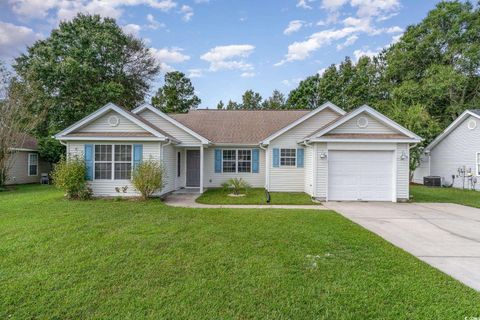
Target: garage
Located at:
point(360, 175)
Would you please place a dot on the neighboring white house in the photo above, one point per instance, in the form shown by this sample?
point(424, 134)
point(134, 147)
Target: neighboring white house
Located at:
point(457, 147)
point(25, 164)
point(324, 152)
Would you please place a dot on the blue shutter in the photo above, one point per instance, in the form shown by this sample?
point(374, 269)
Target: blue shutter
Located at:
point(218, 160)
point(255, 160)
point(276, 157)
point(137, 154)
point(300, 152)
point(88, 157)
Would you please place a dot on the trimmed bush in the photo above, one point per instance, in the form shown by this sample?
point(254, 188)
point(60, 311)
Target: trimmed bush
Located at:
point(69, 176)
point(236, 185)
point(148, 178)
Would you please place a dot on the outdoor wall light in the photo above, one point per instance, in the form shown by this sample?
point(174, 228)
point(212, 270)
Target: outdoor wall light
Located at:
point(323, 155)
point(403, 156)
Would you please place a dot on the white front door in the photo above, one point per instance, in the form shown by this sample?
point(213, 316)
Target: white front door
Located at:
point(360, 175)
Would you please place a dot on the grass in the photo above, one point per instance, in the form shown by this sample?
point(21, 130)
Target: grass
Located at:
point(452, 195)
point(254, 196)
point(126, 259)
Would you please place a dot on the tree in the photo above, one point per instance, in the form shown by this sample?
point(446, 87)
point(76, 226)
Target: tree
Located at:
point(232, 105)
point(251, 100)
point(84, 64)
point(276, 101)
point(220, 105)
point(177, 95)
point(16, 120)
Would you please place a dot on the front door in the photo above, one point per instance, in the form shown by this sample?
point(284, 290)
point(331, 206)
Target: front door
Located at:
point(193, 168)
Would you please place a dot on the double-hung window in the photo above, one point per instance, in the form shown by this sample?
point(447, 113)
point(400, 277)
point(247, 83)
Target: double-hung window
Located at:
point(288, 157)
point(113, 161)
point(32, 164)
point(236, 160)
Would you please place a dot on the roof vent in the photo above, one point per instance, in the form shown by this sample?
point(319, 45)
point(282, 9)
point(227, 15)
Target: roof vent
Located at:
point(113, 121)
point(472, 124)
point(362, 122)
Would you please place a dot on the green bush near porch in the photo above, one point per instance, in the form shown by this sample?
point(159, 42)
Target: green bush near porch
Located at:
point(254, 196)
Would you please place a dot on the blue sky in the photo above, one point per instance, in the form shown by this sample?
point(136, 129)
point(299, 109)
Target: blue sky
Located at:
point(227, 47)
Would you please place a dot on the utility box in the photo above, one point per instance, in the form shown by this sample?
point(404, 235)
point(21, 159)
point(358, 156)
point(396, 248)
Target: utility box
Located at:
point(432, 181)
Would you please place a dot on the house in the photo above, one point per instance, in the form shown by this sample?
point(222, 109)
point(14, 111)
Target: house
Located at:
point(26, 166)
point(457, 147)
point(325, 152)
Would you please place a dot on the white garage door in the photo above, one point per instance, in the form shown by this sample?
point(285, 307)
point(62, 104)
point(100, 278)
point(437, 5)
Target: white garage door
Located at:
point(360, 175)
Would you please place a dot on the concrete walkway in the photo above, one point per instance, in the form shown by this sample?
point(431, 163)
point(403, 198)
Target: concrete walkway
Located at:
point(187, 200)
point(444, 235)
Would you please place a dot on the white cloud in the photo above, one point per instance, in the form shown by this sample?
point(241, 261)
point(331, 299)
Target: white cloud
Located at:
point(195, 73)
point(350, 40)
point(372, 8)
point(187, 12)
point(357, 54)
point(293, 26)
point(166, 56)
point(321, 71)
point(396, 38)
point(132, 29)
point(248, 74)
point(333, 4)
point(14, 39)
point(331, 19)
point(304, 4)
point(395, 29)
point(293, 82)
point(154, 24)
point(229, 57)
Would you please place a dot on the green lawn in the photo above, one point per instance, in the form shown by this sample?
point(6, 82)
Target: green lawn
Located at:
point(465, 197)
point(254, 196)
point(127, 259)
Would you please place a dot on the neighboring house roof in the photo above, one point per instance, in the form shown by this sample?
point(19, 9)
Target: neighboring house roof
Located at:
point(323, 133)
point(144, 124)
point(467, 113)
point(238, 126)
point(26, 142)
point(110, 134)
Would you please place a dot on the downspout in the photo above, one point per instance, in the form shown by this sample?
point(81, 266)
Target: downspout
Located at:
point(267, 167)
point(163, 146)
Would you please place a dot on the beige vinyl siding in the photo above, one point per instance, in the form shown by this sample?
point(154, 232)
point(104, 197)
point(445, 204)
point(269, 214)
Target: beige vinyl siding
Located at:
point(151, 151)
point(292, 179)
point(18, 172)
point(403, 172)
point(170, 164)
point(214, 180)
point(101, 125)
point(168, 127)
point(308, 188)
point(374, 126)
point(321, 178)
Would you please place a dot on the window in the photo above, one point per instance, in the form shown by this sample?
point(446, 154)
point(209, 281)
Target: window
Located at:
point(237, 160)
point(113, 160)
point(288, 157)
point(32, 164)
point(229, 161)
point(244, 158)
point(179, 161)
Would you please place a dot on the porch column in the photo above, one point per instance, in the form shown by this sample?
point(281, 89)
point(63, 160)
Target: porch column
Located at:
point(201, 168)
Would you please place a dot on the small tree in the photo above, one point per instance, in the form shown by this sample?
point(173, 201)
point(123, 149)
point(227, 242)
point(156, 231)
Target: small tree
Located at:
point(69, 176)
point(149, 177)
point(236, 185)
point(177, 95)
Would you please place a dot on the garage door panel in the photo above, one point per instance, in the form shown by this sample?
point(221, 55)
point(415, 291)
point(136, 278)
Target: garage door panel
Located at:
point(360, 175)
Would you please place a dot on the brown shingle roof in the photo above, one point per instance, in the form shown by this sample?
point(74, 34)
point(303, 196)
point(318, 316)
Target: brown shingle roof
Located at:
point(151, 125)
point(364, 136)
point(238, 126)
point(110, 134)
point(26, 141)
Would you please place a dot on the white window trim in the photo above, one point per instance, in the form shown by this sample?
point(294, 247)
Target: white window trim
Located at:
point(29, 164)
point(236, 160)
point(112, 161)
point(478, 164)
point(280, 158)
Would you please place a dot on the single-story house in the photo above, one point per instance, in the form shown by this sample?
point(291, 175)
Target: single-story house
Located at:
point(457, 147)
point(26, 166)
point(325, 152)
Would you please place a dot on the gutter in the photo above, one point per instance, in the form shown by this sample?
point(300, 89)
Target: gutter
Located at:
point(267, 166)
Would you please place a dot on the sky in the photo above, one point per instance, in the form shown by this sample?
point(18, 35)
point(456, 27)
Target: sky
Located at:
point(226, 46)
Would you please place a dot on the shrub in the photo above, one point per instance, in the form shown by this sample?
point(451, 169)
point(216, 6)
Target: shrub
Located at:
point(236, 185)
point(69, 176)
point(148, 177)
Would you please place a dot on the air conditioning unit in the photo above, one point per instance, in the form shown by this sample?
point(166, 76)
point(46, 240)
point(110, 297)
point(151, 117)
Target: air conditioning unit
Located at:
point(432, 181)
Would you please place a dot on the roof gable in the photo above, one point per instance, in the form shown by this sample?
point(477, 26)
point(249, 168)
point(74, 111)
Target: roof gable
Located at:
point(307, 116)
point(376, 126)
point(98, 120)
point(453, 126)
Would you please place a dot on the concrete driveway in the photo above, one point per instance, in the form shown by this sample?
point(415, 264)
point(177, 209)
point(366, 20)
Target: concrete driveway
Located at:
point(446, 236)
